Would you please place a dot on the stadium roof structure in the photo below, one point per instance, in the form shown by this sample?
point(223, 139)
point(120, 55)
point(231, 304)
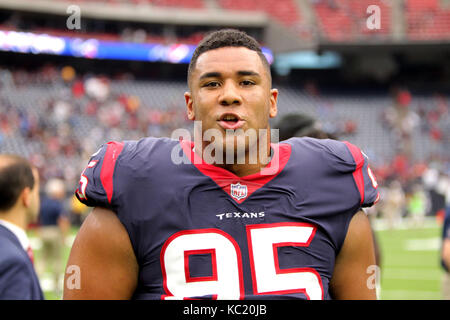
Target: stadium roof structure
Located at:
point(142, 13)
point(277, 36)
point(286, 26)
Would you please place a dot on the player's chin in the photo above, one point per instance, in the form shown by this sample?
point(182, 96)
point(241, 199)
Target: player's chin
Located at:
point(236, 145)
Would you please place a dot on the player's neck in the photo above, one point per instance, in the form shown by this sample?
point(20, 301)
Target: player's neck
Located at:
point(242, 170)
point(251, 164)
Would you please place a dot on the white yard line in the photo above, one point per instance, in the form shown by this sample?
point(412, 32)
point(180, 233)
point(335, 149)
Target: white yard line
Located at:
point(411, 274)
point(423, 244)
point(417, 294)
point(404, 224)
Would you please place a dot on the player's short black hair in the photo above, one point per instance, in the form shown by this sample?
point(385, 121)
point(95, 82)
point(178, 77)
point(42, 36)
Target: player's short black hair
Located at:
point(16, 174)
point(226, 38)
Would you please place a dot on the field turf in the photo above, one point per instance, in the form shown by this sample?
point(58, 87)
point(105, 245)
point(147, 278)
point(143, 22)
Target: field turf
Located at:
point(410, 262)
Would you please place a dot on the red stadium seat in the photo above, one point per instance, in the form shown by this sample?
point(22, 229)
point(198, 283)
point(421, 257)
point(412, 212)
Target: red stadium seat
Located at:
point(284, 11)
point(341, 20)
point(426, 20)
point(194, 4)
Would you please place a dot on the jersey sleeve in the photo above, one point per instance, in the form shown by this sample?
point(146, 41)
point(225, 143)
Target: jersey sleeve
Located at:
point(363, 176)
point(96, 186)
point(347, 158)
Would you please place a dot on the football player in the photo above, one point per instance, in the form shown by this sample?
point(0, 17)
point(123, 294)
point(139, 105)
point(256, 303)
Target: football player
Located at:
point(173, 220)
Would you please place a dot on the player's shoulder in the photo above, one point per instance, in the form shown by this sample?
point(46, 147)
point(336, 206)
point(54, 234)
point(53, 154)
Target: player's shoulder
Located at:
point(133, 150)
point(333, 156)
point(341, 153)
point(116, 164)
point(146, 152)
point(134, 158)
point(148, 144)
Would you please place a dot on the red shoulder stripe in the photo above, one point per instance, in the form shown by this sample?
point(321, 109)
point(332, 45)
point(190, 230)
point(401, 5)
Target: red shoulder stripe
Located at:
point(113, 151)
point(357, 174)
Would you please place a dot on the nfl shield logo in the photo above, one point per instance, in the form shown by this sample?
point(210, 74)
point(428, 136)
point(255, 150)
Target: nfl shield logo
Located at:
point(238, 191)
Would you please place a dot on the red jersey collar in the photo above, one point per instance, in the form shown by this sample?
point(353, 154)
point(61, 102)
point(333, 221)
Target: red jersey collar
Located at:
point(240, 188)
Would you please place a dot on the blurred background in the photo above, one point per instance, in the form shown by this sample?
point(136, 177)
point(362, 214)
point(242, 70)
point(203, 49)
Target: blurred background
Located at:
point(76, 74)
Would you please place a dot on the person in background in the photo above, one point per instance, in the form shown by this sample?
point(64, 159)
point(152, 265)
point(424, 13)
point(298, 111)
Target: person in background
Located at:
point(19, 205)
point(417, 205)
point(54, 226)
point(393, 204)
point(78, 211)
point(446, 250)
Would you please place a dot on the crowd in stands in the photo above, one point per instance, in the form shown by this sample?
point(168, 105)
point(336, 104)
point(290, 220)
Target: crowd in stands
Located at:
point(416, 188)
point(59, 129)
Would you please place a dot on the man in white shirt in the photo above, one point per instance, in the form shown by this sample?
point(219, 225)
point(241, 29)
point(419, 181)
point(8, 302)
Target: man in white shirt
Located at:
point(19, 205)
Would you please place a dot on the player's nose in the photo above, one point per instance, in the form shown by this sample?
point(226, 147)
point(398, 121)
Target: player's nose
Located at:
point(230, 94)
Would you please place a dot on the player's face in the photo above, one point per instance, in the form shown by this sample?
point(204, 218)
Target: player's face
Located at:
point(230, 90)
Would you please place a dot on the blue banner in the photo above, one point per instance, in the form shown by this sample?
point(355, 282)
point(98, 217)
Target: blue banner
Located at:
point(27, 42)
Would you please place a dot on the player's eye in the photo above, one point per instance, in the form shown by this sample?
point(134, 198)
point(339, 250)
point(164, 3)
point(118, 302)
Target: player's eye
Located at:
point(211, 84)
point(246, 83)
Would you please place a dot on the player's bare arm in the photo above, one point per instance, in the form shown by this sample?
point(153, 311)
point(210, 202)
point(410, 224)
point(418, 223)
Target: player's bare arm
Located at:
point(103, 252)
point(349, 281)
point(446, 252)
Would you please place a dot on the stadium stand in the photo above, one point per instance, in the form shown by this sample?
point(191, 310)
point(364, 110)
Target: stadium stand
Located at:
point(427, 19)
point(285, 11)
point(195, 4)
point(332, 20)
point(345, 20)
point(179, 3)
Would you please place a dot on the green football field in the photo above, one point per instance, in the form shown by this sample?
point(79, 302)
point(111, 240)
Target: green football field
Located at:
point(410, 263)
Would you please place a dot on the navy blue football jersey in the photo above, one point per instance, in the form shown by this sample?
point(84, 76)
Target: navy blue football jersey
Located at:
point(199, 231)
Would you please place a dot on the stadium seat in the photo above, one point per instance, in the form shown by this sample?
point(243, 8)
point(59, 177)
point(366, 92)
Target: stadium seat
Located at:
point(345, 20)
point(427, 20)
point(286, 11)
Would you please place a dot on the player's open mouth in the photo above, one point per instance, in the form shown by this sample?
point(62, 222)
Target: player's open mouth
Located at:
point(230, 121)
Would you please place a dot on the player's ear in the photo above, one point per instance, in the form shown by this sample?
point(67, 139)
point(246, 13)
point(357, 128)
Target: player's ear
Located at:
point(189, 106)
point(273, 103)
